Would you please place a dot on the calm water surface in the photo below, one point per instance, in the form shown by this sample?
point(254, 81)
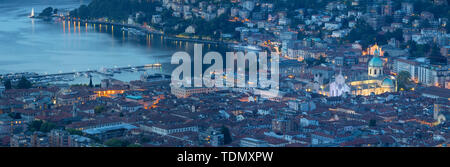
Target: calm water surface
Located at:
point(33, 45)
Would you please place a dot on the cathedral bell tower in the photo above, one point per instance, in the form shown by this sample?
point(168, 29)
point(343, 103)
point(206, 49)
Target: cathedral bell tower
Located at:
point(375, 68)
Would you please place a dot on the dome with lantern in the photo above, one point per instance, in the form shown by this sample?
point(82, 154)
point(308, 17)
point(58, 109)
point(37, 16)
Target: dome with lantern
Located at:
point(387, 83)
point(376, 62)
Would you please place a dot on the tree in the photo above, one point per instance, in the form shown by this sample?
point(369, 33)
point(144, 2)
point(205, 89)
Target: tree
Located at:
point(47, 126)
point(226, 135)
point(34, 126)
point(41, 126)
point(417, 50)
point(364, 33)
point(113, 143)
point(397, 34)
point(134, 145)
point(113, 9)
point(116, 143)
point(322, 60)
point(373, 123)
point(145, 139)
point(436, 56)
point(15, 115)
point(99, 109)
point(389, 20)
point(90, 82)
point(47, 12)
point(403, 80)
point(74, 131)
point(17, 130)
point(24, 83)
point(83, 12)
point(7, 84)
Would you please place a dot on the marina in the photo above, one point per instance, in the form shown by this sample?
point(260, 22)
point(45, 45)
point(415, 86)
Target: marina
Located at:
point(82, 77)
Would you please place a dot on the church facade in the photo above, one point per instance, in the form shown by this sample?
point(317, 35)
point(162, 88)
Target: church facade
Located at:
point(338, 87)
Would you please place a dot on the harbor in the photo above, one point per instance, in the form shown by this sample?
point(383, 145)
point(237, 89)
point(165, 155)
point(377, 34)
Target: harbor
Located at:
point(82, 77)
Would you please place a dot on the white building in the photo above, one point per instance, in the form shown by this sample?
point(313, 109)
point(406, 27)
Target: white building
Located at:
point(303, 106)
point(156, 19)
point(252, 142)
point(423, 73)
point(249, 5)
point(186, 92)
point(339, 87)
point(130, 21)
point(190, 30)
point(167, 130)
point(332, 26)
point(305, 122)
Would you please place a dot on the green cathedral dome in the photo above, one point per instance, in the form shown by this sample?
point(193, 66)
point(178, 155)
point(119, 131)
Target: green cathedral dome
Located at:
point(387, 83)
point(376, 62)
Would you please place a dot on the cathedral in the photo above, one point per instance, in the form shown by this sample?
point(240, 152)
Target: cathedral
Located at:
point(338, 87)
point(374, 82)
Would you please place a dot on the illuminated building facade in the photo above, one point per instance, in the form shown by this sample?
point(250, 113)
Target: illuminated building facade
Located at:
point(372, 86)
point(186, 92)
point(375, 82)
point(338, 87)
point(430, 75)
point(108, 93)
point(375, 68)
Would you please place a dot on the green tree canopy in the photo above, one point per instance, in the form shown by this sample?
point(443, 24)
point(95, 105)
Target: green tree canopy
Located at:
point(116, 143)
point(47, 12)
point(373, 123)
point(41, 126)
point(7, 84)
point(364, 33)
point(24, 83)
point(226, 135)
point(15, 115)
point(417, 50)
point(74, 131)
point(403, 80)
point(99, 109)
point(436, 56)
point(134, 145)
point(90, 82)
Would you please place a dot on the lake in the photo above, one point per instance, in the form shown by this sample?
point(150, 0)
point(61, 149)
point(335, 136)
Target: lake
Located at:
point(48, 47)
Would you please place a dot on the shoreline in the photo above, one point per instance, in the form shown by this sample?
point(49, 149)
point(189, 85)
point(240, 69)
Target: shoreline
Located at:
point(106, 72)
point(148, 31)
point(13, 75)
